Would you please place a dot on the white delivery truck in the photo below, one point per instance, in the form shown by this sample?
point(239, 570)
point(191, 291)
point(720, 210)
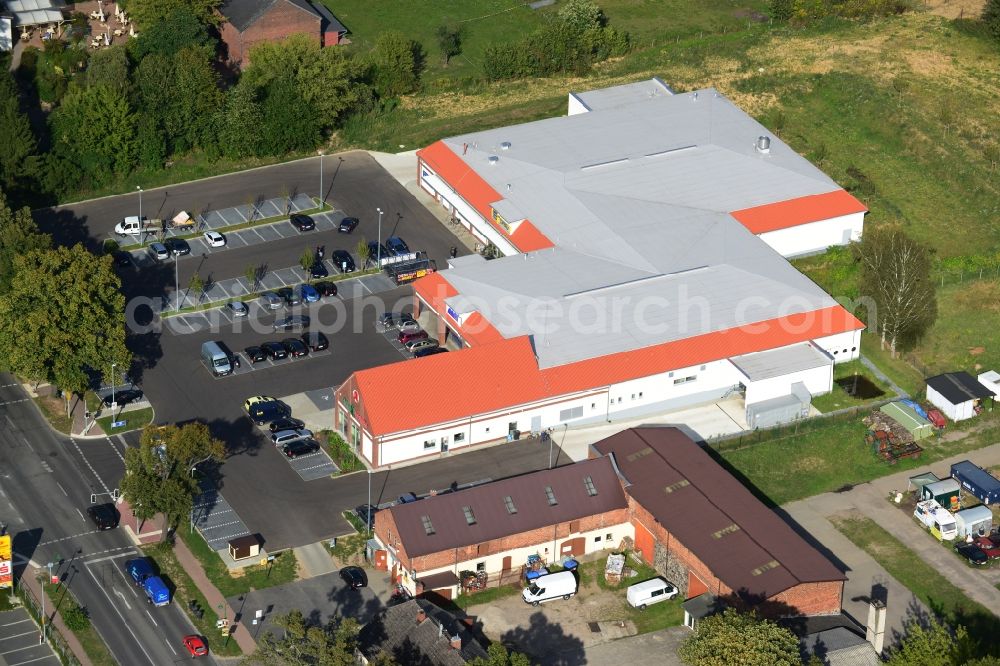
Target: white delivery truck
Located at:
point(649, 592)
point(561, 585)
point(215, 358)
point(937, 519)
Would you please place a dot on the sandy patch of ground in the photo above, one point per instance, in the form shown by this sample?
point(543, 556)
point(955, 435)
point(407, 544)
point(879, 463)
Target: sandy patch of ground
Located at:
point(955, 8)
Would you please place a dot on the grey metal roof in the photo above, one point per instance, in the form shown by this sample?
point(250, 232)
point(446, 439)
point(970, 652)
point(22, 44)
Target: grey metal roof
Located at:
point(629, 93)
point(778, 362)
point(39, 17)
point(32, 5)
point(636, 196)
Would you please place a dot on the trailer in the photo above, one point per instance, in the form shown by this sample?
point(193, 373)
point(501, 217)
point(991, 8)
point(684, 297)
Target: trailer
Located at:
point(974, 522)
point(938, 520)
point(977, 481)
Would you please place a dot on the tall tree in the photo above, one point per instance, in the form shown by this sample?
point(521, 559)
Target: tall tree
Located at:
point(449, 40)
point(932, 645)
point(195, 98)
point(109, 67)
point(581, 15)
point(895, 276)
point(19, 161)
point(18, 235)
point(148, 13)
point(500, 656)
point(395, 60)
point(730, 637)
point(95, 128)
point(332, 644)
point(240, 123)
point(63, 316)
point(177, 30)
point(287, 127)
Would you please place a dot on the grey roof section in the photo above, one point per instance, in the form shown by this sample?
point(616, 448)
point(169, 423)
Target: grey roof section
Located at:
point(636, 198)
point(396, 631)
point(840, 647)
point(39, 17)
point(244, 13)
point(779, 362)
point(32, 5)
point(330, 22)
point(629, 93)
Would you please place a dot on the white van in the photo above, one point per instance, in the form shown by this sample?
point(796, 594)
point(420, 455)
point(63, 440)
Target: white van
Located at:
point(649, 592)
point(215, 359)
point(549, 587)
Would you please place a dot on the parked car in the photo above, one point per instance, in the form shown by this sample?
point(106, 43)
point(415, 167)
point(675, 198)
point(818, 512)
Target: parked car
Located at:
point(122, 397)
point(123, 259)
point(408, 326)
point(326, 289)
point(215, 239)
point(257, 400)
point(416, 345)
point(343, 261)
point(405, 337)
point(295, 347)
point(991, 549)
point(285, 436)
point(429, 351)
point(972, 553)
point(287, 423)
point(391, 320)
point(289, 296)
point(308, 293)
point(238, 308)
point(316, 341)
point(406, 498)
point(270, 300)
point(348, 224)
point(105, 516)
point(195, 646)
point(374, 250)
point(177, 246)
point(302, 222)
point(649, 592)
point(355, 577)
point(158, 251)
point(301, 447)
point(318, 270)
point(397, 245)
point(366, 514)
point(275, 350)
point(139, 569)
point(255, 354)
point(292, 322)
point(266, 412)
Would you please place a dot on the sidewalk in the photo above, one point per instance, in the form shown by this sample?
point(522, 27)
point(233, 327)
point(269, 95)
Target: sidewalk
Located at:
point(212, 595)
point(56, 620)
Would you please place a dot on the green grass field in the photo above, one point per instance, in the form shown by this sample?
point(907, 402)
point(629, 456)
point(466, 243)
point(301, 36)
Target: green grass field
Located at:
point(846, 393)
point(134, 420)
point(283, 570)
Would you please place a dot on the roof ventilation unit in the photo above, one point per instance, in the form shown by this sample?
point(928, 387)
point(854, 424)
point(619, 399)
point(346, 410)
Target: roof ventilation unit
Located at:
point(493, 159)
point(763, 144)
point(505, 145)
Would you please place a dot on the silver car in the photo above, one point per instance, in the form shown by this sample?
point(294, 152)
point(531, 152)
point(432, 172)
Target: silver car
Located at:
point(158, 251)
point(238, 308)
point(414, 345)
point(286, 436)
point(270, 300)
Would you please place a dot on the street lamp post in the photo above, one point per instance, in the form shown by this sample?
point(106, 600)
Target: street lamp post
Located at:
point(113, 365)
point(378, 249)
point(142, 227)
point(322, 196)
point(177, 283)
point(368, 510)
point(45, 620)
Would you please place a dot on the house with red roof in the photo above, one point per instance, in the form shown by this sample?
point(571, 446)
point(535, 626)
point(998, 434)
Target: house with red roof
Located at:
point(643, 245)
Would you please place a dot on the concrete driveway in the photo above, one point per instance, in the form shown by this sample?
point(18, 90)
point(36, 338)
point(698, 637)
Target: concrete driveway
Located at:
point(656, 646)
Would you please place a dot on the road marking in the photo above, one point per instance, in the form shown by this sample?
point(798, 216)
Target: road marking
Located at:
point(151, 617)
point(28, 444)
point(27, 633)
point(81, 518)
point(109, 557)
point(124, 600)
point(92, 470)
point(124, 623)
point(75, 536)
point(215, 527)
point(48, 656)
point(9, 385)
point(170, 646)
point(14, 402)
point(306, 469)
point(11, 624)
point(115, 448)
point(26, 647)
point(62, 489)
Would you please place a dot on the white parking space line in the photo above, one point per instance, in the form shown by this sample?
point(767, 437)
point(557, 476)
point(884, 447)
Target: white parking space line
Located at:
point(262, 239)
point(31, 661)
point(151, 618)
point(11, 624)
point(26, 633)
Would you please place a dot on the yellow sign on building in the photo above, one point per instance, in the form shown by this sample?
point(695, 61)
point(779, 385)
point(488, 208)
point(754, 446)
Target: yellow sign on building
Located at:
point(6, 565)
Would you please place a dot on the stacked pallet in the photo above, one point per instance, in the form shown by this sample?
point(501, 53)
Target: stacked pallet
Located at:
point(880, 422)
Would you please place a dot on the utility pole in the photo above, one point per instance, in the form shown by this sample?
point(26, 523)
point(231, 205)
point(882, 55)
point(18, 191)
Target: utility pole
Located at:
point(378, 250)
point(322, 197)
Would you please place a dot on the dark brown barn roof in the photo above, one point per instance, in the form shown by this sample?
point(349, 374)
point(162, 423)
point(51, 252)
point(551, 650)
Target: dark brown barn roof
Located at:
point(744, 543)
point(445, 515)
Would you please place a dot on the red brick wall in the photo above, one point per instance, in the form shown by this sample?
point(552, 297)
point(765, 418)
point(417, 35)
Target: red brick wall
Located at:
point(812, 598)
point(282, 20)
point(384, 524)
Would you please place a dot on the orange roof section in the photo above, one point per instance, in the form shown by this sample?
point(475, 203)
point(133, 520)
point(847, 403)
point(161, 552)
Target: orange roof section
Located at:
point(471, 186)
point(433, 289)
point(801, 210)
point(491, 377)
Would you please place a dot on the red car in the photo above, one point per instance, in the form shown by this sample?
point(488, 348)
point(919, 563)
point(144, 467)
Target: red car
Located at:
point(410, 336)
point(988, 546)
point(195, 646)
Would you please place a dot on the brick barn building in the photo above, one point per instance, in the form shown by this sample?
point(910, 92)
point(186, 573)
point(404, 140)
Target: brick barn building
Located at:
point(703, 530)
point(250, 22)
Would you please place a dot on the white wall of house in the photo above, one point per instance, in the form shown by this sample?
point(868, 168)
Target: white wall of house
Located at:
point(817, 380)
point(815, 236)
point(959, 412)
point(675, 385)
point(843, 347)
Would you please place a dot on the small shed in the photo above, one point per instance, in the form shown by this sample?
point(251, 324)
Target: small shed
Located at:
point(906, 416)
point(977, 481)
point(244, 547)
point(974, 522)
point(957, 394)
point(783, 409)
point(943, 492)
point(920, 480)
point(991, 380)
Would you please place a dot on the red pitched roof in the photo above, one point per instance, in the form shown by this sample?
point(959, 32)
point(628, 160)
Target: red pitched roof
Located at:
point(802, 210)
point(433, 288)
point(470, 185)
point(490, 377)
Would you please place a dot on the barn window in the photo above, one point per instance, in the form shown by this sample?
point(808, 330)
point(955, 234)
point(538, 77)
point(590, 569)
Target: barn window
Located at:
point(470, 517)
point(509, 503)
point(428, 525)
point(551, 496)
point(588, 483)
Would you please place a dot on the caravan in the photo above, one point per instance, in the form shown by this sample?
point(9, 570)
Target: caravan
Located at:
point(939, 521)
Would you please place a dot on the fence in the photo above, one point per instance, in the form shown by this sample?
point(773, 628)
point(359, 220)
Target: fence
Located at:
point(56, 640)
point(494, 580)
point(943, 277)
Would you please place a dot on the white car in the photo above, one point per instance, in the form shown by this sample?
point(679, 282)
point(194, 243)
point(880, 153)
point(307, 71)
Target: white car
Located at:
point(215, 239)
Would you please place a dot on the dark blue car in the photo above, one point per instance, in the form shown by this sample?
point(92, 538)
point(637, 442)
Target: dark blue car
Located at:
point(139, 569)
point(397, 245)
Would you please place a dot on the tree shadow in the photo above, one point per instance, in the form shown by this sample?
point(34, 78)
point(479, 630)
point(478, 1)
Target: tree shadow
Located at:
point(546, 643)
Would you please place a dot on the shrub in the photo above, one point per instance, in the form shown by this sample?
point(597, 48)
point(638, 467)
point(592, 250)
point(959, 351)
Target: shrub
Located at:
point(76, 618)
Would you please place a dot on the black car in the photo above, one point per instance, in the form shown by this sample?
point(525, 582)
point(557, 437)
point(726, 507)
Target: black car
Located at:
point(295, 347)
point(266, 412)
point(428, 351)
point(316, 341)
point(300, 447)
point(343, 261)
point(325, 289)
point(123, 397)
point(397, 245)
point(275, 350)
point(318, 270)
point(348, 224)
point(177, 246)
point(289, 323)
point(355, 577)
point(255, 354)
point(286, 424)
point(105, 516)
point(123, 259)
point(290, 296)
point(973, 553)
point(302, 222)
point(366, 513)
point(373, 251)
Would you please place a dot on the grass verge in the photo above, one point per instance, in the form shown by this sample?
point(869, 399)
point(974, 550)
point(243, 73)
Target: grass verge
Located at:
point(897, 369)
point(184, 592)
point(350, 548)
point(283, 570)
point(62, 600)
point(54, 411)
point(134, 420)
point(652, 618)
point(943, 598)
point(846, 393)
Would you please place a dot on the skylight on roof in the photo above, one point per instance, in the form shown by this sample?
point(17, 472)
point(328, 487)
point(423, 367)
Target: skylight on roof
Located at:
point(428, 525)
point(588, 483)
point(598, 165)
point(470, 517)
point(671, 151)
point(509, 503)
point(551, 496)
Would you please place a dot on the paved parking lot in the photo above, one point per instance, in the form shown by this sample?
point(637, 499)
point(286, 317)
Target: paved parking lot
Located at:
point(19, 641)
point(215, 519)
